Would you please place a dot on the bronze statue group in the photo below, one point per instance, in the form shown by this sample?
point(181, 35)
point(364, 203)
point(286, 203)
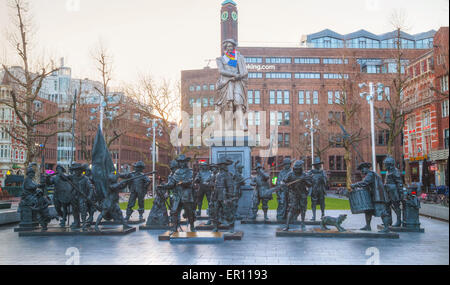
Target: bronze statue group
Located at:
point(75, 193)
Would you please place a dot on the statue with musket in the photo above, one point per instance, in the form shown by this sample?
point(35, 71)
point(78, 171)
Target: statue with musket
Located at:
point(64, 195)
point(319, 185)
point(222, 196)
point(394, 186)
point(282, 193)
point(83, 194)
point(297, 182)
point(183, 194)
point(373, 183)
point(212, 184)
point(28, 199)
point(232, 84)
point(110, 208)
point(239, 181)
point(138, 189)
point(204, 189)
point(95, 198)
point(41, 208)
point(261, 185)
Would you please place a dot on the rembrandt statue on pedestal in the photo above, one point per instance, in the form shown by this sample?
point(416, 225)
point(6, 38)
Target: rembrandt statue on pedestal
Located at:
point(232, 85)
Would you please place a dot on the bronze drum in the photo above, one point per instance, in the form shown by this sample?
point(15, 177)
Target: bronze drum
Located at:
point(360, 201)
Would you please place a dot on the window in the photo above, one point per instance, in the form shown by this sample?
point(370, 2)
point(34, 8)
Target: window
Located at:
point(279, 97)
point(257, 119)
point(335, 76)
point(191, 102)
point(446, 138)
point(387, 92)
point(257, 97)
point(280, 140)
point(205, 102)
point(280, 118)
point(287, 119)
point(287, 140)
point(191, 88)
point(205, 87)
point(301, 97)
point(278, 75)
point(278, 60)
point(253, 60)
point(315, 97)
point(212, 87)
point(255, 75)
point(211, 101)
point(306, 60)
point(308, 97)
point(250, 119)
point(334, 61)
point(445, 106)
point(301, 116)
point(286, 97)
point(272, 97)
point(306, 75)
point(330, 97)
point(272, 118)
point(198, 88)
point(331, 163)
point(250, 96)
point(444, 83)
point(426, 119)
point(337, 97)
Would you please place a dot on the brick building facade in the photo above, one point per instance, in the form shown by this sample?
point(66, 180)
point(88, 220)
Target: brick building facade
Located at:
point(426, 107)
point(291, 84)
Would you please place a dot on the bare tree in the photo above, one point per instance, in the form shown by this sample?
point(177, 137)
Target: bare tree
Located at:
point(114, 105)
point(159, 100)
point(39, 123)
point(349, 107)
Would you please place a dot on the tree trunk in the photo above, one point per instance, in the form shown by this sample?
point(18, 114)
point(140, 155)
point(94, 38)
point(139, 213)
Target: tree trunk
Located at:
point(407, 173)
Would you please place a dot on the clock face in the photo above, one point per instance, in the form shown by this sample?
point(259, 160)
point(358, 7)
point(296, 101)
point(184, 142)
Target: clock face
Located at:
point(234, 15)
point(225, 16)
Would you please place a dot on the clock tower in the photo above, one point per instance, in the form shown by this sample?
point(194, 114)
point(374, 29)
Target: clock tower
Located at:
point(228, 21)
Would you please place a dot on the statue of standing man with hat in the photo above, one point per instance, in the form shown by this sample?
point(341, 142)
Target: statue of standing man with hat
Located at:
point(261, 182)
point(232, 84)
point(282, 194)
point(138, 189)
point(319, 185)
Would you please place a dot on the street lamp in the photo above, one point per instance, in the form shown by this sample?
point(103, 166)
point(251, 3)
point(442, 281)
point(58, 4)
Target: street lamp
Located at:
point(156, 126)
point(370, 97)
point(312, 124)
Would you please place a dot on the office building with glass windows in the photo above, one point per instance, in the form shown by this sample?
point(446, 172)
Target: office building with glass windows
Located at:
point(293, 84)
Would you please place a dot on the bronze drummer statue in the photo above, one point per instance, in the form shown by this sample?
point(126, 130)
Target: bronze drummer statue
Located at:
point(373, 184)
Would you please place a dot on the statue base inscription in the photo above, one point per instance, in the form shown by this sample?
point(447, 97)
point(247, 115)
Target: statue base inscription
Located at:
point(319, 233)
point(57, 231)
point(403, 229)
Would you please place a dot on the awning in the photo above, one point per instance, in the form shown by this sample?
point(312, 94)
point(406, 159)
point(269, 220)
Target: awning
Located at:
point(439, 155)
point(14, 179)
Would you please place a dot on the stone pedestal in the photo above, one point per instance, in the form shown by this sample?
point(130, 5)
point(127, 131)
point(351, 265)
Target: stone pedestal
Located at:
point(200, 237)
point(28, 220)
point(57, 231)
point(113, 223)
point(404, 229)
point(236, 148)
point(275, 222)
point(319, 233)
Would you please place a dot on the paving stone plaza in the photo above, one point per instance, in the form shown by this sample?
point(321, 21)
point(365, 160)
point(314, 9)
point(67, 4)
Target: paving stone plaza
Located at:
point(259, 246)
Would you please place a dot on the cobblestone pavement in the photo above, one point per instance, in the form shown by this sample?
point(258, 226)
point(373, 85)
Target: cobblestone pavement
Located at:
point(259, 246)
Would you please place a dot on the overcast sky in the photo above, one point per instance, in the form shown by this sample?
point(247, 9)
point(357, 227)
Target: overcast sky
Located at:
point(163, 37)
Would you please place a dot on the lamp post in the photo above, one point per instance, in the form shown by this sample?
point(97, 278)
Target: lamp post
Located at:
point(370, 97)
point(151, 132)
point(312, 125)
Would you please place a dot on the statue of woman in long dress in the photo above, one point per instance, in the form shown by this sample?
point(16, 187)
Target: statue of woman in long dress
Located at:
point(232, 84)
